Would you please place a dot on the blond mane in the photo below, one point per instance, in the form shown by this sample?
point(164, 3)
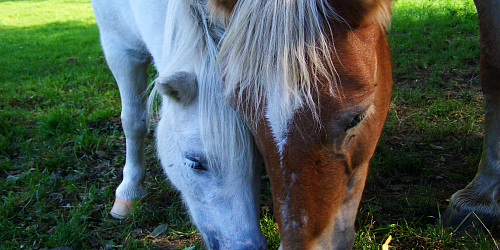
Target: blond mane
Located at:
point(278, 46)
point(283, 48)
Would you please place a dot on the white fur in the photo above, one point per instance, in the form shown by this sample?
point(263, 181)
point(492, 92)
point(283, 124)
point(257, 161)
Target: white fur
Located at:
point(278, 121)
point(224, 200)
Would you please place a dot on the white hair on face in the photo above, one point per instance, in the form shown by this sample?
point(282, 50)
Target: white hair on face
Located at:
point(279, 42)
point(193, 36)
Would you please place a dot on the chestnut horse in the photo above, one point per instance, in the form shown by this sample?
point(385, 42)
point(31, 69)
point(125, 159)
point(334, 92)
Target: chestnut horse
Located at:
point(312, 79)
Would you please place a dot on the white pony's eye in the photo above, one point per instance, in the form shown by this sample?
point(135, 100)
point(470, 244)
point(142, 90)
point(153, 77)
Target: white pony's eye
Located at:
point(194, 163)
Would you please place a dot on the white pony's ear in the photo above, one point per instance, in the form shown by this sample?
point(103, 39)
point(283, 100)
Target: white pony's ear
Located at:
point(180, 86)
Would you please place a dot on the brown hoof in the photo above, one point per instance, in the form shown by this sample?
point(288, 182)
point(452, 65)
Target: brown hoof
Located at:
point(122, 208)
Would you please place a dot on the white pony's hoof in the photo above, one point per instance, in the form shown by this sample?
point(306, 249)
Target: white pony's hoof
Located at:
point(122, 208)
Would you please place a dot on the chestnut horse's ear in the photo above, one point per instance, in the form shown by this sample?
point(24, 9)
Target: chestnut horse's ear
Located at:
point(221, 8)
point(180, 86)
point(357, 12)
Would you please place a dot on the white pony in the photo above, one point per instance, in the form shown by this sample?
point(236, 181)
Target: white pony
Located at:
point(206, 151)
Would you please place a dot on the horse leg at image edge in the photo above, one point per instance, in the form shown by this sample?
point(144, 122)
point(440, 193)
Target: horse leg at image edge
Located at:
point(477, 204)
point(130, 70)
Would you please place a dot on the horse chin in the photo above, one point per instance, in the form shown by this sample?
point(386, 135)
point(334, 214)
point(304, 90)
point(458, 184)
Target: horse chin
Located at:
point(227, 230)
point(343, 233)
point(214, 240)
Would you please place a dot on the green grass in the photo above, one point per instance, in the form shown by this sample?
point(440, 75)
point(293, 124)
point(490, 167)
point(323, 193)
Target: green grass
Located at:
point(62, 148)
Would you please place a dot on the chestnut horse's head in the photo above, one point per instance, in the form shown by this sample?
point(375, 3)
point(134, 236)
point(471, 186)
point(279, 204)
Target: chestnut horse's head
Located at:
point(312, 79)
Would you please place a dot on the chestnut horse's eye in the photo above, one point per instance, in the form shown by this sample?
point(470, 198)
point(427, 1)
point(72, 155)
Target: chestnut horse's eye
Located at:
point(194, 163)
point(355, 121)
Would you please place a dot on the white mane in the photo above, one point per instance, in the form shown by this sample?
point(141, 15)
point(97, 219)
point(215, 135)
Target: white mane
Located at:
point(224, 136)
point(278, 48)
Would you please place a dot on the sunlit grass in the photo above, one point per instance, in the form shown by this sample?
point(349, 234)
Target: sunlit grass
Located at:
point(16, 14)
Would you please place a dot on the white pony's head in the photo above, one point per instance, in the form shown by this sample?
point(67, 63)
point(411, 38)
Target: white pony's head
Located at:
point(221, 191)
point(205, 149)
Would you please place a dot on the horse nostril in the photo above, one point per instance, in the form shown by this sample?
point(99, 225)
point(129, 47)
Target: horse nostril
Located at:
point(214, 244)
point(250, 248)
point(212, 241)
point(252, 245)
point(264, 247)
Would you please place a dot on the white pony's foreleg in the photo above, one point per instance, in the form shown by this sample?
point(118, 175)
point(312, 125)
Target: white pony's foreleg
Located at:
point(130, 70)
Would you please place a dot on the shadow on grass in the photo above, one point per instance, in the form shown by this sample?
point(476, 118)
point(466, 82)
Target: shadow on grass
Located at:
point(432, 141)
